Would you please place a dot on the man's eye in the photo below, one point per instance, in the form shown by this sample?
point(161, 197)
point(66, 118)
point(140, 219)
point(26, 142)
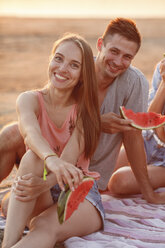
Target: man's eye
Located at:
point(128, 57)
point(114, 52)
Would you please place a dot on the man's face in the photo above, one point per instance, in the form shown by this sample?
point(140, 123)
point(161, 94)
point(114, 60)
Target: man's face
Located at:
point(115, 55)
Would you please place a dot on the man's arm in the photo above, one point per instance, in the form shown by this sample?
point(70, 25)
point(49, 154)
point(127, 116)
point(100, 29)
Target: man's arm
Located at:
point(134, 145)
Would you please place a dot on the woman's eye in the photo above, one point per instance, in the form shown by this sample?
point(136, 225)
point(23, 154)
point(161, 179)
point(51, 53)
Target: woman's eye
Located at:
point(58, 58)
point(75, 66)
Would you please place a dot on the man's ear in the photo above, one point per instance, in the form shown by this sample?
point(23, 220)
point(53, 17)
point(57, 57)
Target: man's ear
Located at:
point(99, 43)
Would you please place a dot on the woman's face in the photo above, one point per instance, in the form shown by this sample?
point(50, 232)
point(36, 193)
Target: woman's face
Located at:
point(65, 66)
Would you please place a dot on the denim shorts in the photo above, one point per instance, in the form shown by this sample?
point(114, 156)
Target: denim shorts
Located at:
point(93, 197)
point(155, 148)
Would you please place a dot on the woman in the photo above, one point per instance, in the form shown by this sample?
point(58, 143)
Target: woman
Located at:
point(60, 125)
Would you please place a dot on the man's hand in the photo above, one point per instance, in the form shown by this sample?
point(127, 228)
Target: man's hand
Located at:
point(113, 123)
point(29, 187)
point(156, 198)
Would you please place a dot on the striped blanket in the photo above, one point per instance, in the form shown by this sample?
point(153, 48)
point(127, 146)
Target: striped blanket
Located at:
point(130, 223)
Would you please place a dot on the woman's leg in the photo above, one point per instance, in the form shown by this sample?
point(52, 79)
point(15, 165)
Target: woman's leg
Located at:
point(19, 212)
point(46, 231)
point(123, 181)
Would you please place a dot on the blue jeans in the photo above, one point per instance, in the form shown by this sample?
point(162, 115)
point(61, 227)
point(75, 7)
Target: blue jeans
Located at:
point(155, 148)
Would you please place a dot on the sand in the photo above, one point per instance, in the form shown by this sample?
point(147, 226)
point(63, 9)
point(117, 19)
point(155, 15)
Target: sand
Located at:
point(25, 46)
point(26, 43)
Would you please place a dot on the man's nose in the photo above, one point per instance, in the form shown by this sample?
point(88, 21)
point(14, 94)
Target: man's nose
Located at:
point(118, 60)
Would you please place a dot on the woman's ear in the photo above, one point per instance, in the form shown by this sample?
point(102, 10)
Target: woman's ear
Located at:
point(99, 43)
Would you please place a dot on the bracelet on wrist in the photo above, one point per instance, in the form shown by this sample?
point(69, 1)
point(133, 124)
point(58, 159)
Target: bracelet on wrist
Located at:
point(45, 170)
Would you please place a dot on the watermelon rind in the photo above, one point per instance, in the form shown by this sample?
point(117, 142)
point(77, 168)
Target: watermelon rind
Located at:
point(65, 197)
point(161, 118)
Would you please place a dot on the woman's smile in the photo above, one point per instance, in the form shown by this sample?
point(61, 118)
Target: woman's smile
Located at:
point(60, 78)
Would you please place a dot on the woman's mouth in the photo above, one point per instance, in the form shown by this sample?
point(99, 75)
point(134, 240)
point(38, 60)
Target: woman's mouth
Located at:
point(60, 77)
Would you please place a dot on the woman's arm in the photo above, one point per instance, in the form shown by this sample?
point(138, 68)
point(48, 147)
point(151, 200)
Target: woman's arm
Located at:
point(29, 186)
point(73, 149)
point(157, 105)
point(63, 167)
point(27, 110)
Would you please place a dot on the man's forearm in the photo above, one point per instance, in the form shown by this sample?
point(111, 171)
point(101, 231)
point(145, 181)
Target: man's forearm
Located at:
point(134, 146)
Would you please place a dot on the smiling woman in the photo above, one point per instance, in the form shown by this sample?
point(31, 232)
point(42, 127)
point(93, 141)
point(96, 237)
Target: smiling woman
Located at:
point(60, 125)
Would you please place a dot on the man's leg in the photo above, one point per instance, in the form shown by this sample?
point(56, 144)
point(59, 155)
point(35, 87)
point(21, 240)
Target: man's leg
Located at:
point(12, 149)
point(123, 181)
point(122, 159)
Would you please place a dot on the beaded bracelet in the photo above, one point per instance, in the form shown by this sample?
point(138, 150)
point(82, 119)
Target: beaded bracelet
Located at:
point(45, 170)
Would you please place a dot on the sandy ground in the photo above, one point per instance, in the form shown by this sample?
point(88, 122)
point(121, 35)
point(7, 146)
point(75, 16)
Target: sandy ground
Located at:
point(25, 46)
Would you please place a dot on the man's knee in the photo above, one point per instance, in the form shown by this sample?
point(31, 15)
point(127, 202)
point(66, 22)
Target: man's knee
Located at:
point(10, 137)
point(4, 203)
point(118, 182)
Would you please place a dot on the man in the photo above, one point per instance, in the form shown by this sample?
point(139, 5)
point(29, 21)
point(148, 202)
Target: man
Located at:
point(118, 84)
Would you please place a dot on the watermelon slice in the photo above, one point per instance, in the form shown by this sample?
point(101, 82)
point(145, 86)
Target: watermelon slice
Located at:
point(149, 120)
point(69, 201)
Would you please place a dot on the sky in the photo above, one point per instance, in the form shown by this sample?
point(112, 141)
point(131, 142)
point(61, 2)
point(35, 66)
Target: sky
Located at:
point(84, 8)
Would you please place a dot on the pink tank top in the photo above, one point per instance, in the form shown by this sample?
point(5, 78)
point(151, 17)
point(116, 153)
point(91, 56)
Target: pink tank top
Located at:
point(58, 137)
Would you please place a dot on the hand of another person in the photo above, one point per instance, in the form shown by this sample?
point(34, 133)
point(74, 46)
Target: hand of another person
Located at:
point(29, 187)
point(113, 123)
point(162, 69)
point(66, 173)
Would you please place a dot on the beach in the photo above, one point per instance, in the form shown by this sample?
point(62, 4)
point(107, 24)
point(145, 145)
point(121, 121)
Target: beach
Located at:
point(26, 43)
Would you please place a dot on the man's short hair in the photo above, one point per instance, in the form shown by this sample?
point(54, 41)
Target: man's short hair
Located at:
point(124, 27)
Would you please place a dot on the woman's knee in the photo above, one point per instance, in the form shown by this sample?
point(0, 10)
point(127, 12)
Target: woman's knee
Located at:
point(30, 163)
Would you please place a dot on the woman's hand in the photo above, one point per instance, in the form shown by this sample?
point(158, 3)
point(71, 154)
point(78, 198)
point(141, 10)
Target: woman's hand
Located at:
point(66, 173)
point(29, 187)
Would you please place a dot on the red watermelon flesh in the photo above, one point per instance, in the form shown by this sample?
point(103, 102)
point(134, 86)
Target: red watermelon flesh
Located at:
point(69, 200)
point(143, 120)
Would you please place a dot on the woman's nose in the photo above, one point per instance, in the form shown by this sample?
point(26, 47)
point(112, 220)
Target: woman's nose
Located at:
point(64, 67)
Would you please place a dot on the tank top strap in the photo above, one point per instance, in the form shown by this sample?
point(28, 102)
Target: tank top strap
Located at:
point(40, 99)
point(41, 102)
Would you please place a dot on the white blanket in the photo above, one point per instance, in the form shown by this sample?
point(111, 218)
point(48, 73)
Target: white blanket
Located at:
point(130, 222)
